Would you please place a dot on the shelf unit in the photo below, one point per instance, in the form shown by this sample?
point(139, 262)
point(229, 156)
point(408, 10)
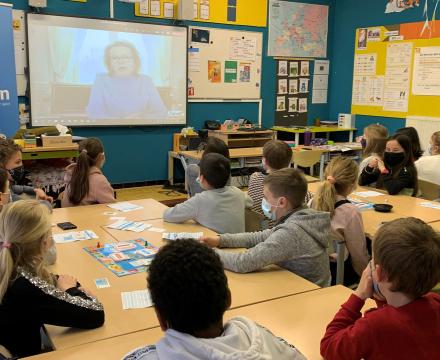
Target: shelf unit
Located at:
point(243, 139)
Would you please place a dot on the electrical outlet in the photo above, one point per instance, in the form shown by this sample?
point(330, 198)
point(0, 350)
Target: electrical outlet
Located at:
point(38, 3)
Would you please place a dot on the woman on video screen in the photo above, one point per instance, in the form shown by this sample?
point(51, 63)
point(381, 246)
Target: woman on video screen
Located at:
point(123, 93)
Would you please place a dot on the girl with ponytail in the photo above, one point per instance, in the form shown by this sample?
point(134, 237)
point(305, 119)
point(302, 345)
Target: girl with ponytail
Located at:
point(341, 179)
point(85, 182)
point(30, 296)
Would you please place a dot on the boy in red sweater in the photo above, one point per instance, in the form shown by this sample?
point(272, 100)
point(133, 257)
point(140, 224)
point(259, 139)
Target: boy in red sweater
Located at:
point(406, 323)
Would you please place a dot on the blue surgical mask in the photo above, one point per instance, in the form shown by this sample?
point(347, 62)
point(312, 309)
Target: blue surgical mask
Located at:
point(267, 209)
point(377, 292)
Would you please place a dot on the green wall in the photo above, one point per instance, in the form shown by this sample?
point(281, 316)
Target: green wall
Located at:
point(140, 153)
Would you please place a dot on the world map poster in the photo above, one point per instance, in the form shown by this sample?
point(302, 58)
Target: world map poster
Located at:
point(297, 29)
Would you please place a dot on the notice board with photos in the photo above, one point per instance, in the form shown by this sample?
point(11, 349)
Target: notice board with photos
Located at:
point(224, 64)
point(397, 70)
point(292, 91)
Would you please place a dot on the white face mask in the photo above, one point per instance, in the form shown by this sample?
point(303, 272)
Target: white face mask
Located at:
point(266, 206)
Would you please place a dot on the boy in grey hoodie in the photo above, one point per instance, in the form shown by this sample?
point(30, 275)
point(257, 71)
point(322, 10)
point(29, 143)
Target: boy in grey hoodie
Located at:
point(298, 242)
point(190, 293)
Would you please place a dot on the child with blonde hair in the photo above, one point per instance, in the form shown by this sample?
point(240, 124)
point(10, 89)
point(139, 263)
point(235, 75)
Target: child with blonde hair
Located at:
point(30, 296)
point(346, 221)
point(373, 144)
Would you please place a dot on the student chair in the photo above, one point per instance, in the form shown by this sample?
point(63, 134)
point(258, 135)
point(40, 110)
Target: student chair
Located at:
point(340, 260)
point(253, 221)
point(430, 191)
point(4, 353)
point(306, 159)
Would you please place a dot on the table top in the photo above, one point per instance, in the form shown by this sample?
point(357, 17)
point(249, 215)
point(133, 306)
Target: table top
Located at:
point(258, 151)
point(50, 148)
point(100, 213)
point(436, 225)
point(267, 284)
point(105, 349)
point(299, 319)
point(403, 205)
point(270, 283)
point(313, 129)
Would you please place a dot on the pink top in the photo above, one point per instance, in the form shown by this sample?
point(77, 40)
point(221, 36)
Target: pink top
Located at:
point(100, 190)
point(347, 225)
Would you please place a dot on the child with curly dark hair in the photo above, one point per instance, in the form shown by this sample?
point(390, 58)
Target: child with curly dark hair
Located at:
point(190, 293)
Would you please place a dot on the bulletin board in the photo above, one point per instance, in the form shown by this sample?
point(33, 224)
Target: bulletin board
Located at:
point(224, 64)
point(234, 12)
point(397, 70)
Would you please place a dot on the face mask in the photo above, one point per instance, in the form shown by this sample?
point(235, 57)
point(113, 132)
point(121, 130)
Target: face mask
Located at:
point(17, 173)
point(377, 293)
point(363, 143)
point(393, 159)
point(267, 207)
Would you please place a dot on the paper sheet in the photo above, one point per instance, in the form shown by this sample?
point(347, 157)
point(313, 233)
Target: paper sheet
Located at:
point(204, 9)
point(129, 225)
point(426, 76)
point(322, 67)
point(124, 206)
point(143, 7)
point(155, 7)
point(319, 96)
point(182, 235)
point(136, 299)
point(74, 236)
point(370, 193)
point(168, 10)
point(430, 205)
point(242, 49)
point(194, 59)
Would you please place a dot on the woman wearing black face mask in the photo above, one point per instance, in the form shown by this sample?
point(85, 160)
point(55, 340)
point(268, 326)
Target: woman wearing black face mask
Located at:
point(400, 176)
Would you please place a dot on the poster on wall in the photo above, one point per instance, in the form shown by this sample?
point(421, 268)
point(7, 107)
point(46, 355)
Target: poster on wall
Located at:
point(292, 90)
point(393, 6)
point(8, 82)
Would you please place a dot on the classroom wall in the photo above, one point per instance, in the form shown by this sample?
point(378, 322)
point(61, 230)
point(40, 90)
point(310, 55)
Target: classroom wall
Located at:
point(350, 15)
point(140, 153)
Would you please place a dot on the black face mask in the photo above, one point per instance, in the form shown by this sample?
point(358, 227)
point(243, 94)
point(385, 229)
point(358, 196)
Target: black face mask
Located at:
point(17, 173)
point(392, 159)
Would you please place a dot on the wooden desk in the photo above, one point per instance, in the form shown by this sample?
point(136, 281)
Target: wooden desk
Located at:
point(73, 260)
point(95, 214)
point(114, 348)
point(299, 319)
point(270, 283)
point(436, 225)
point(403, 205)
point(58, 152)
point(314, 129)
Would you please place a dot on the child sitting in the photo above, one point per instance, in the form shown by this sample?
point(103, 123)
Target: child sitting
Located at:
point(276, 155)
point(428, 167)
point(213, 145)
point(373, 144)
point(190, 293)
point(341, 179)
point(85, 182)
point(399, 175)
point(299, 240)
point(406, 323)
point(11, 161)
point(221, 207)
point(30, 296)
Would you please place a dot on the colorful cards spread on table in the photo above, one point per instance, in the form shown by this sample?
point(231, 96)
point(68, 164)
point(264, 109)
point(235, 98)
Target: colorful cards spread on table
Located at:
point(182, 235)
point(74, 236)
point(125, 257)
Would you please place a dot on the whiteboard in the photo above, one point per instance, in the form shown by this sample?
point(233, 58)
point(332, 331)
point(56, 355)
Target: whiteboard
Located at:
point(224, 64)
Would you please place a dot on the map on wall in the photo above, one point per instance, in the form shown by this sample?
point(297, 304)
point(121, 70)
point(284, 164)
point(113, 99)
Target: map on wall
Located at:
point(297, 29)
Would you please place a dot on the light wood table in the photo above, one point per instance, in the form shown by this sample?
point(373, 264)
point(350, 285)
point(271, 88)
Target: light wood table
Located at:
point(299, 319)
point(271, 283)
point(436, 225)
point(403, 205)
point(99, 214)
point(114, 348)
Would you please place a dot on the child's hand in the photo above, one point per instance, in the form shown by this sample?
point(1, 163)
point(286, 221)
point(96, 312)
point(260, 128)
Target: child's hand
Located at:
point(41, 195)
point(211, 241)
point(381, 167)
point(65, 282)
point(365, 287)
point(373, 163)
